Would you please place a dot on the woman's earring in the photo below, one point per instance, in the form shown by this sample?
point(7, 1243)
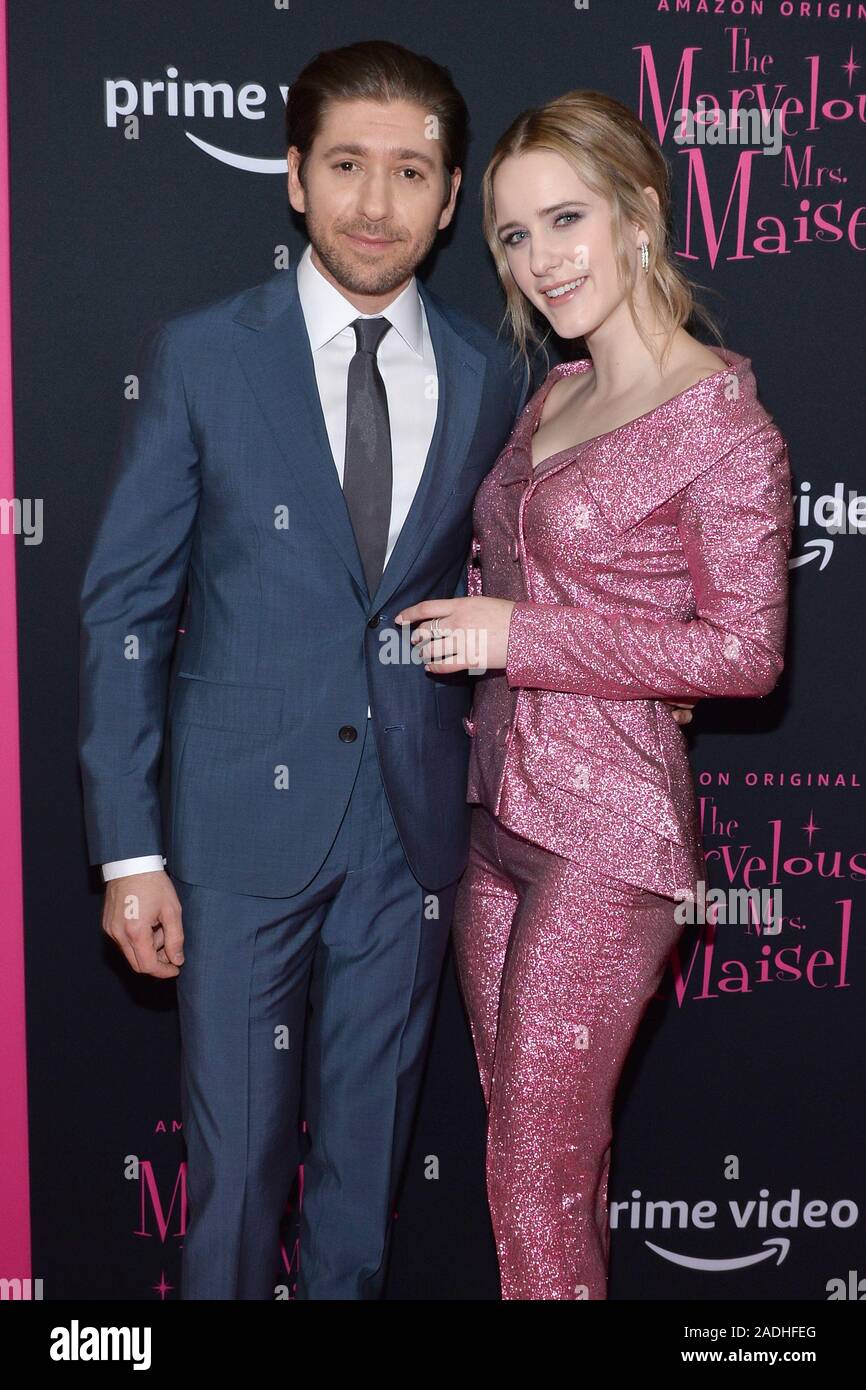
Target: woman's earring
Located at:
point(644, 255)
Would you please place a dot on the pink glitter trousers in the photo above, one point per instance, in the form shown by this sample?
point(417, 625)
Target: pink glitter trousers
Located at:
point(557, 963)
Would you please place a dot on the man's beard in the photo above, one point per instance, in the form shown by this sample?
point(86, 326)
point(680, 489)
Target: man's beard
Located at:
point(376, 278)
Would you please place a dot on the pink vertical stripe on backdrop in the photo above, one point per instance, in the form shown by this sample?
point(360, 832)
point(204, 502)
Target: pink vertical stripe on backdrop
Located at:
point(14, 1160)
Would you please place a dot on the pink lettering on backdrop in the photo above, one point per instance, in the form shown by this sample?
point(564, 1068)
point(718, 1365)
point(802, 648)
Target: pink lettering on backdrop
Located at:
point(729, 212)
point(737, 958)
point(154, 1218)
point(709, 973)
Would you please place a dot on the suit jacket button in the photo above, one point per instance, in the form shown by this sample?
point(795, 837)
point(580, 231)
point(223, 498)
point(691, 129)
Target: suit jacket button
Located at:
point(348, 733)
point(375, 620)
point(476, 546)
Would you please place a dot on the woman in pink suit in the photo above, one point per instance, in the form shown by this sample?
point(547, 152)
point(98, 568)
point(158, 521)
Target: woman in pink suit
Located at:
point(631, 548)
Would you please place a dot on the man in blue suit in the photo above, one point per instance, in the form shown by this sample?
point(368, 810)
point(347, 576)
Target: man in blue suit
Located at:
point(300, 464)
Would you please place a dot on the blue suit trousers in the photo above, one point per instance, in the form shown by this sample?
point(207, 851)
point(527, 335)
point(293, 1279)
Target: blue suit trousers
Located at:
point(326, 998)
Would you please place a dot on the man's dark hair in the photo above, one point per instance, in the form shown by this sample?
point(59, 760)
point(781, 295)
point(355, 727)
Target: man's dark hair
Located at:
point(380, 71)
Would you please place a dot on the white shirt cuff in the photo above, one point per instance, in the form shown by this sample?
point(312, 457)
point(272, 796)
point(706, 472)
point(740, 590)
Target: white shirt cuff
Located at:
point(144, 864)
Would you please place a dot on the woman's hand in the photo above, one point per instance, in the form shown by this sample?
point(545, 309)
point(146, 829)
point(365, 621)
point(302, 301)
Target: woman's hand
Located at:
point(460, 634)
point(472, 635)
point(682, 710)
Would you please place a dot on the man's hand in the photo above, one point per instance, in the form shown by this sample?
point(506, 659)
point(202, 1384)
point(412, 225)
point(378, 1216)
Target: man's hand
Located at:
point(682, 710)
point(142, 915)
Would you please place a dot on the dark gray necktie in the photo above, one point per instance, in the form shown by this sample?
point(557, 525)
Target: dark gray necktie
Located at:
point(367, 468)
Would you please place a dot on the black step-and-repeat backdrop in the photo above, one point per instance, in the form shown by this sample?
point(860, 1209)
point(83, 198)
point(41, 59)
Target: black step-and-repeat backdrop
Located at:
point(740, 1143)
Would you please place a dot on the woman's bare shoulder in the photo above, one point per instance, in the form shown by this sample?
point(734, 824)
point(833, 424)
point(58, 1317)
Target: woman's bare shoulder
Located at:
point(565, 391)
point(699, 362)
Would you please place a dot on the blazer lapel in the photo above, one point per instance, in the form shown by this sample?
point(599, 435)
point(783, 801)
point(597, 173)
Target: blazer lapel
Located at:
point(626, 478)
point(632, 471)
point(273, 348)
point(460, 371)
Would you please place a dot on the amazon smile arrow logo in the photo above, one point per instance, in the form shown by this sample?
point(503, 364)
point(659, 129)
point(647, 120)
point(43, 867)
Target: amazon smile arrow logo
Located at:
point(778, 1245)
point(821, 547)
point(250, 163)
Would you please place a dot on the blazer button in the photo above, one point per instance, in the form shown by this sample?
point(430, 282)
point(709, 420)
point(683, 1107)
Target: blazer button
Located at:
point(348, 733)
point(476, 546)
point(375, 620)
point(469, 725)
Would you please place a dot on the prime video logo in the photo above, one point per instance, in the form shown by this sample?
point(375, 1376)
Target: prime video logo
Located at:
point(710, 125)
point(126, 103)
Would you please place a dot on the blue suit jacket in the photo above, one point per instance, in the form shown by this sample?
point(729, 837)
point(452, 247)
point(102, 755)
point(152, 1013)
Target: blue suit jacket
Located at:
point(224, 509)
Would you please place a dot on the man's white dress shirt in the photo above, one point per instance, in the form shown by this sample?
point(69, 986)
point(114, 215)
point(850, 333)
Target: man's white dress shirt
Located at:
point(408, 368)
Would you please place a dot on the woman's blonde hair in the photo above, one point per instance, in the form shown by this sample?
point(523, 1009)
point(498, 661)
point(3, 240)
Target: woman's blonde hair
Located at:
point(615, 156)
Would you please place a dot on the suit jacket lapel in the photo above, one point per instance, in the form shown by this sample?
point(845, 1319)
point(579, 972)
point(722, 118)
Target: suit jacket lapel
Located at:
point(460, 370)
point(273, 348)
point(632, 471)
point(626, 477)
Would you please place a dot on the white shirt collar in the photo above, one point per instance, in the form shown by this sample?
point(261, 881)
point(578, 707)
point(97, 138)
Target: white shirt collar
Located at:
point(327, 312)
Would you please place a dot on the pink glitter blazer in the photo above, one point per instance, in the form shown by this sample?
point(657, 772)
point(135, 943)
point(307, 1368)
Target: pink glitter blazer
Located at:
point(649, 562)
